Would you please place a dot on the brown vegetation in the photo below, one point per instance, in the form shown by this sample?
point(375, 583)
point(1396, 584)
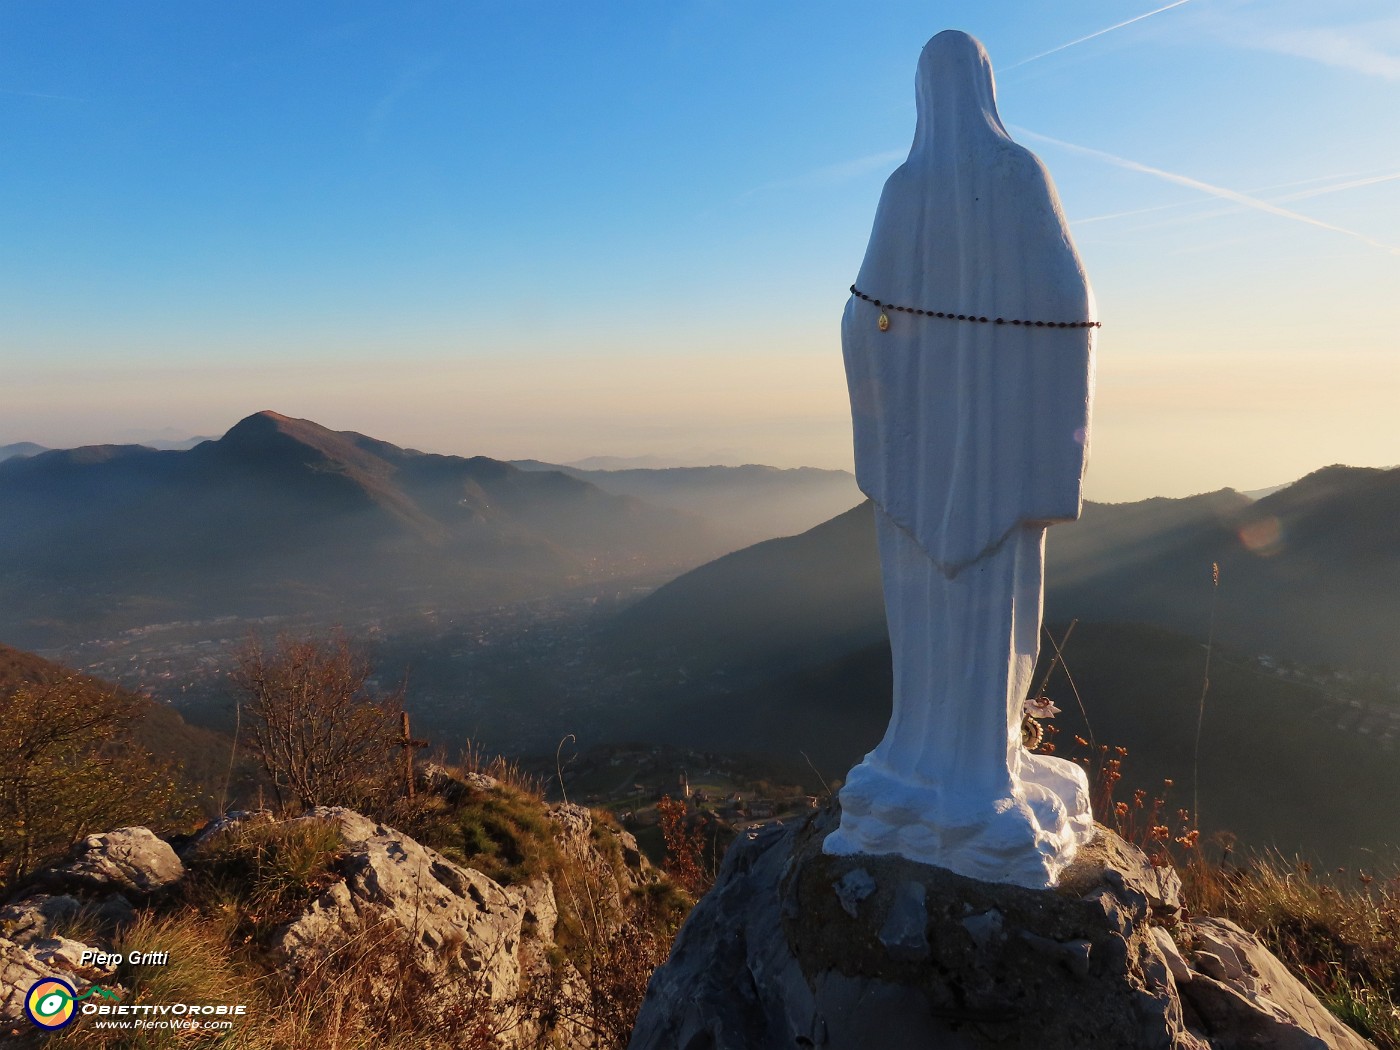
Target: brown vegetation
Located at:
point(685, 848)
point(71, 768)
point(322, 733)
point(1339, 933)
point(1339, 930)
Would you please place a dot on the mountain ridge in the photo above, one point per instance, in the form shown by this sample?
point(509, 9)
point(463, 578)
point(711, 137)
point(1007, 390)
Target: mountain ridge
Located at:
point(272, 513)
point(752, 502)
point(1311, 572)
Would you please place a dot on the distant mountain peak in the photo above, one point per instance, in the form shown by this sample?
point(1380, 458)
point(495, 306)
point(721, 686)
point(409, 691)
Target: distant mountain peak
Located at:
point(1332, 482)
point(21, 448)
point(268, 421)
point(271, 433)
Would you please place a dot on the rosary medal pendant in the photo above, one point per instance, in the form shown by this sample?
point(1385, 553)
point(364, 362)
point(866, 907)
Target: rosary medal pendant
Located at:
point(884, 322)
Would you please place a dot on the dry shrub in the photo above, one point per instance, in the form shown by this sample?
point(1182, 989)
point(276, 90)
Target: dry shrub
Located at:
point(1146, 819)
point(596, 990)
point(610, 937)
point(71, 769)
point(685, 848)
point(323, 735)
point(370, 989)
point(201, 969)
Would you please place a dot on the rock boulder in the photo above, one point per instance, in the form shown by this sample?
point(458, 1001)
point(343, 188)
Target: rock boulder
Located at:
point(455, 918)
point(794, 948)
point(130, 861)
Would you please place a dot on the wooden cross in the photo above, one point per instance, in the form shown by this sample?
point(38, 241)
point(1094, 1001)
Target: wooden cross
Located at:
point(409, 745)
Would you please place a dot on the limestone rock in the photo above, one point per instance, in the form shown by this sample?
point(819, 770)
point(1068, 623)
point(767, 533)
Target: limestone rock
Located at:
point(632, 855)
point(905, 932)
point(439, 780)
point(1246, 997)
point(541, 909)
point(1131, 876)
point(131, 861)
point(38, 915)
point(39, 924)
point(19, 969)
point(574, 822)
point(456, 919)
point(592, 840)
point(32, 955)
point(853, 888)
point(776, 956)
point(34, 945)
point(480, 781)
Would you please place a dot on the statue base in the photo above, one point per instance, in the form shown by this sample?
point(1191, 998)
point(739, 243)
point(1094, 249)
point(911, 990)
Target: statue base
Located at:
point(1025, 838)
point(793, 948)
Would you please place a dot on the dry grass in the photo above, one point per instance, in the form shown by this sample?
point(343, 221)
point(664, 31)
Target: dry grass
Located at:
point(254, 877)
point(373, 988)
point(1338, 930)
point(476, 759)
point(201, 969)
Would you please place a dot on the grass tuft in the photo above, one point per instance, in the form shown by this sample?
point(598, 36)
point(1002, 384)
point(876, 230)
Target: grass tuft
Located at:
point(1338, 930)
point(256, 877)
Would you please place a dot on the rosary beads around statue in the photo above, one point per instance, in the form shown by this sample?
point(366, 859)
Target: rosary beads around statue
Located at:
point(884, 321)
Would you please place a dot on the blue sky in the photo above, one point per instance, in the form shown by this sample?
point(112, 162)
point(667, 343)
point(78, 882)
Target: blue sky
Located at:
point(559, 230)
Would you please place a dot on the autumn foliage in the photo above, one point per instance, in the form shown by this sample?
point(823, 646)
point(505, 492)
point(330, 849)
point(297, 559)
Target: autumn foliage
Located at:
point(685, 848)
point(71, 769)
point(323, 734)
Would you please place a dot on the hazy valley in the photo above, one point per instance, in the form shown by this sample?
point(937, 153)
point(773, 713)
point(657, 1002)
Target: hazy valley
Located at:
point(523, 602)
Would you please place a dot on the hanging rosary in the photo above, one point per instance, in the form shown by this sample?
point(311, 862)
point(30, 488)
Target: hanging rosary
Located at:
point(884, 322)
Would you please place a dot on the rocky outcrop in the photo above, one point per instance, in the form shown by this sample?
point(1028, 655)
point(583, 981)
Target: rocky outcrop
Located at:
point(130, 861)
point(34, 945)
point(454, 787)
point(22, 964)
point(793, 948)
point(389, 912)
point(1232, 985)
point(604, 847)
point(454, 918)
point(473, 940)
point(38, 928)
point(40, 915)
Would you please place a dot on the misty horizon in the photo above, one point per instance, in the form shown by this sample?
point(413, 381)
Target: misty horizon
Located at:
point(174, 438)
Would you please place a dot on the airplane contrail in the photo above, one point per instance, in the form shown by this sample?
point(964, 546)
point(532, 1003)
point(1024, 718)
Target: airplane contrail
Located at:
point(1214, 191)
point(1101, 32)
point(1356, 184)
point(1333, 186)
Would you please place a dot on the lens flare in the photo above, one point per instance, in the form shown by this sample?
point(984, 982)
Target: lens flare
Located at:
point(1263, 536)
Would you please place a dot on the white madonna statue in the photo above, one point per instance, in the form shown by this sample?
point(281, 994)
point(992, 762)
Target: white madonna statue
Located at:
point(968, 343)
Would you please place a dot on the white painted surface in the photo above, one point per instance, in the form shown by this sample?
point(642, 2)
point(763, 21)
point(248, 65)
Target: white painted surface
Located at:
point(970, 438)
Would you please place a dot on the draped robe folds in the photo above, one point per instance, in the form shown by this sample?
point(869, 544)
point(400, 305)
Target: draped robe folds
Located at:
point(970, 438)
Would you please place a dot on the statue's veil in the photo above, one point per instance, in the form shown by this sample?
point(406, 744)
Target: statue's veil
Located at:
point(965, 430)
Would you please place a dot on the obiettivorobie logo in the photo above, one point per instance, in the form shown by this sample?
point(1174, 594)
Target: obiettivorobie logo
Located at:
point(51, 1003)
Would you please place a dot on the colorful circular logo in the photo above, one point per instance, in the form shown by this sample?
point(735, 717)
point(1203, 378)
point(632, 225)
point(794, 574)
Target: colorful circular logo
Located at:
point(49, 1003)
